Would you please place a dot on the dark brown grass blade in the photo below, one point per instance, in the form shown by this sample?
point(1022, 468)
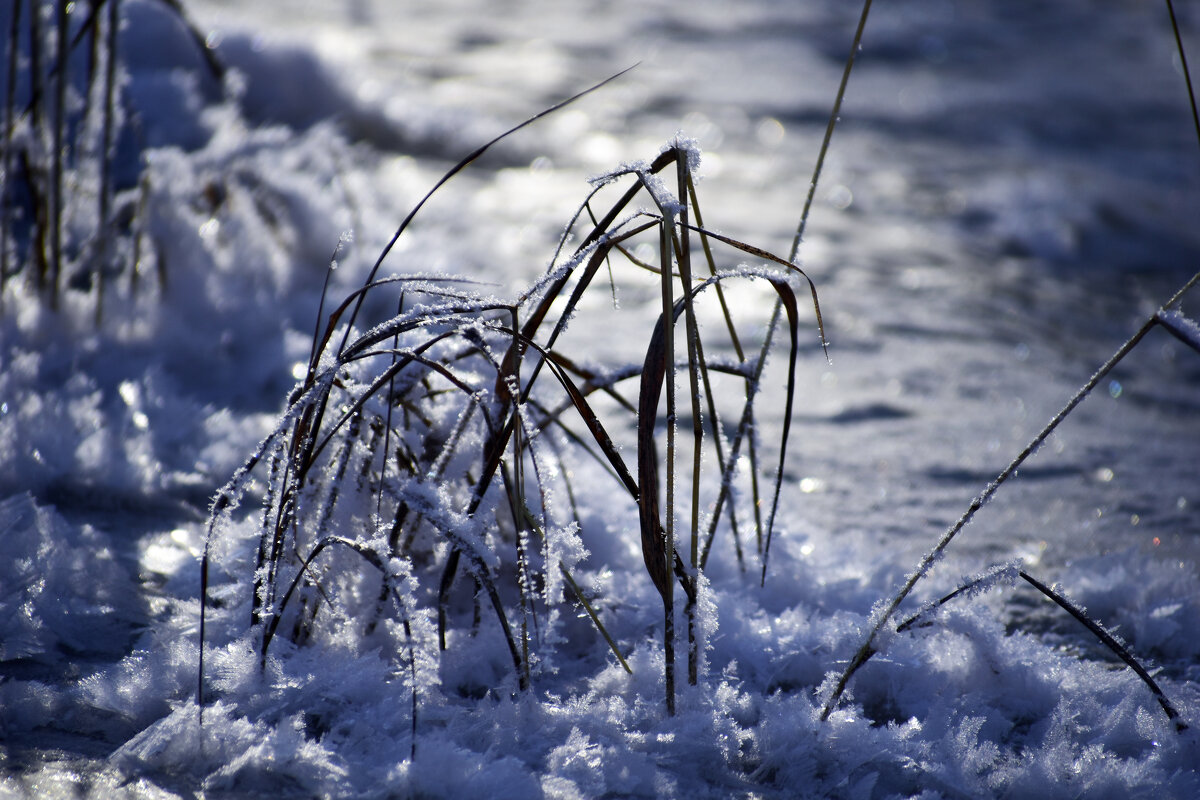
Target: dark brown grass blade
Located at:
point(654, 370)
point(758, 252)
point(537, 316)
point(788, 299)
point(592, 421)
point(498, 442)
point(534, 320)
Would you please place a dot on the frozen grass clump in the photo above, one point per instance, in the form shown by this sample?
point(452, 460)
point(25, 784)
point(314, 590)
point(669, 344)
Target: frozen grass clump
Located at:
point(426, 445)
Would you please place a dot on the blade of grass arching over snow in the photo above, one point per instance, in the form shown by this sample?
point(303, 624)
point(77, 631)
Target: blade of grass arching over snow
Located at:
point(403, 358)
point(469, 159)
point(1006, 574)
point(1112, 643)
point(884, 612)
point(1002, 573)
point(427, 284)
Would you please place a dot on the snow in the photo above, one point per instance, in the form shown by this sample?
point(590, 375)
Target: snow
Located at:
point(1003, 205)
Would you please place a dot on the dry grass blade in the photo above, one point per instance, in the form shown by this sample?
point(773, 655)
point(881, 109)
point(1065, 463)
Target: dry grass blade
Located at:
point(591, 421)
point(985, 581)
point(463, 164)
point(834, 116)
point(1112, 644)
point(654, 370)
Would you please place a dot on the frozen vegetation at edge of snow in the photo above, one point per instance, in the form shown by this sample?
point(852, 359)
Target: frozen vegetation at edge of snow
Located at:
point(98, 620)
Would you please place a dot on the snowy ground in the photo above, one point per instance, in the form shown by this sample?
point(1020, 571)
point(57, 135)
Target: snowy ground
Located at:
point(1011, 192)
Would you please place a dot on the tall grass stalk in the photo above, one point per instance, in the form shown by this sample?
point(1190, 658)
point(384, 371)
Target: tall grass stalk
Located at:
point(834, 117)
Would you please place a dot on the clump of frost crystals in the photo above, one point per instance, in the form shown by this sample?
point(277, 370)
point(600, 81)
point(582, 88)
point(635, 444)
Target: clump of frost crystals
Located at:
point(46, 614)
point(688, 145)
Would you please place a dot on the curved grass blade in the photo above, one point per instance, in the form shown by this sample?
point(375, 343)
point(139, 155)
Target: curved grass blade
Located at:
point(463, 164)
point(1112, 644)
point(374, 559)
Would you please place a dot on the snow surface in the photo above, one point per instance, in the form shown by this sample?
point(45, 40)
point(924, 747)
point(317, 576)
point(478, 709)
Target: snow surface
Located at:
point(1011, 193)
